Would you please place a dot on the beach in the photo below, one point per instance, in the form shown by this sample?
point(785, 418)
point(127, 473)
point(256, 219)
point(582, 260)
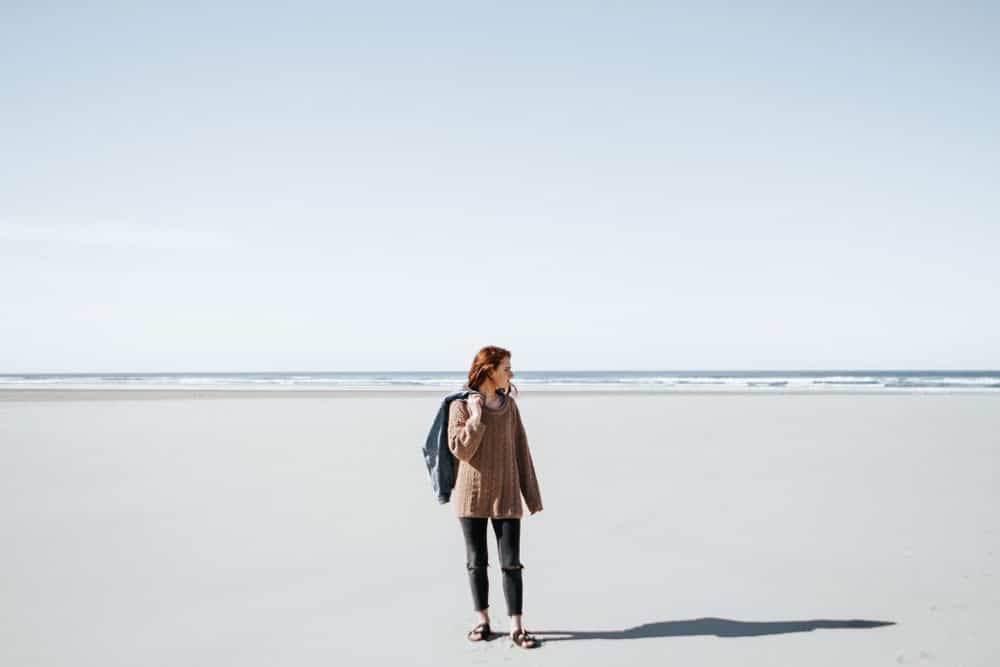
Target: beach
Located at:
point(300, 528)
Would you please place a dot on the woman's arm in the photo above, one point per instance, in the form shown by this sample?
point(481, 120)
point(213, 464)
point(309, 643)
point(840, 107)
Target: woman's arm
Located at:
point(526, 467)
point(465, 433)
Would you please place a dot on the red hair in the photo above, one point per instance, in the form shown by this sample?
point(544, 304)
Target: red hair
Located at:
point(487, 359)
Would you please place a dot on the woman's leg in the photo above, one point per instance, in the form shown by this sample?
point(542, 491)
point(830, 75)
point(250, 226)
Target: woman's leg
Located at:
point(508, 534)
point(476, 562)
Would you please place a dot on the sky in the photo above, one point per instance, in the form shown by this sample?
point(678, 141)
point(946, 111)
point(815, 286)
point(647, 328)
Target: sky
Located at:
point(324, 186)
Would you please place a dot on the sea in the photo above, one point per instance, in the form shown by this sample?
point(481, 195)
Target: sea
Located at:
point(577, 381)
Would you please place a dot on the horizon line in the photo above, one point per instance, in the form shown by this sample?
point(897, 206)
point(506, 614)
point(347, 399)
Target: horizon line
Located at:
point(555, 370)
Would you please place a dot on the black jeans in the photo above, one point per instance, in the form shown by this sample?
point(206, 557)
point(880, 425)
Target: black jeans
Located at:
point(508, 534)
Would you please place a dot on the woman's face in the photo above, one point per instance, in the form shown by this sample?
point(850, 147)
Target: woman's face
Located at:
point(502, 375)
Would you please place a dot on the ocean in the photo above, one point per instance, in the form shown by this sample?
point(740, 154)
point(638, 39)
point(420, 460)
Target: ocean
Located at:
point(617, 381)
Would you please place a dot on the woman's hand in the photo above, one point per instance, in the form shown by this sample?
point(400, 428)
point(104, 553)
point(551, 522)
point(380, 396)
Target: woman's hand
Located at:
point(475, 403)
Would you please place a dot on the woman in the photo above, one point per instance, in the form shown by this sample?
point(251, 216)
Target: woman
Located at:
point(487, 437)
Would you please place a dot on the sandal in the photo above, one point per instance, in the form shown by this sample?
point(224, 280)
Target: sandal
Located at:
point(523, 639)
point(479, 633)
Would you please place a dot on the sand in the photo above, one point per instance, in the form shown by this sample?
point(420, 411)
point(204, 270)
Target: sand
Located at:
point(678, 529)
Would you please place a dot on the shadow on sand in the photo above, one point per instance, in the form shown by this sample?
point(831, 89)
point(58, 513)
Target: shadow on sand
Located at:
point(720, 627)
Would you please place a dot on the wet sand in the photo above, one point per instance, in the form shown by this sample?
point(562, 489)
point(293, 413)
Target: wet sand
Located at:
point(678, 529)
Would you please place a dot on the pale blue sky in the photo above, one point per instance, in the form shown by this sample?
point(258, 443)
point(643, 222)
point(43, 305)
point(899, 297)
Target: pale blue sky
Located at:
point(319, 186)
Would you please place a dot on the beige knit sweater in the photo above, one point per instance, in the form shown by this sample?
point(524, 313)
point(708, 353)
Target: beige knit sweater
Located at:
point(494, 463)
